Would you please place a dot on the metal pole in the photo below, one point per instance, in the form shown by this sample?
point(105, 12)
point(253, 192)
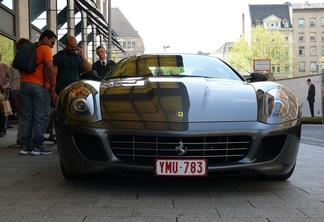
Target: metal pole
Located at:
point(109, 30)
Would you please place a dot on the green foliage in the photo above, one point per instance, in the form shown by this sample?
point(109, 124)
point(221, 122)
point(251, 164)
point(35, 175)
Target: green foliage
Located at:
point(264, 44)
point(6, 50)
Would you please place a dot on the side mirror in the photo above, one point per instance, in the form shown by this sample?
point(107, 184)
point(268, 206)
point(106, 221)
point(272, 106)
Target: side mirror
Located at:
point(91, 75)
point(257, 77)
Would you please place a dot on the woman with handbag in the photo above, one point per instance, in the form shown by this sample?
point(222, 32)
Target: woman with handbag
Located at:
point(4, 87)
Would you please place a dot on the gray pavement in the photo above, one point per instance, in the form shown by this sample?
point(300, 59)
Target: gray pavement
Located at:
point(32, 188)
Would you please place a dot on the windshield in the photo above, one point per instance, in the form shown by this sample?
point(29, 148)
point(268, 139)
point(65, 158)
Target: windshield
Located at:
point(175, 66)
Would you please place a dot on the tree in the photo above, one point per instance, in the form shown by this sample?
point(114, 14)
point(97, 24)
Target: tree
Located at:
point(6, 50)
point(264, 44)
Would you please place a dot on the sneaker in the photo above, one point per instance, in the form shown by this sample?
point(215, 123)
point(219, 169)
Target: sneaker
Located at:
point(41, 150)
point(25, 150)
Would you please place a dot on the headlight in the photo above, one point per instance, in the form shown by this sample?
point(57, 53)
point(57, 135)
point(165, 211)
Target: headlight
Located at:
point(277, 105)
point(79, 102)
point(80, 105)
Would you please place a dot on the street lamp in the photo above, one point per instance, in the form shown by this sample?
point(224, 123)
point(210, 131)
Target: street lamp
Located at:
point(166, 47)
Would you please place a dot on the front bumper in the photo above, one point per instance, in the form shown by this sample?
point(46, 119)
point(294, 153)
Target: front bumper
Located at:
point(257, 148)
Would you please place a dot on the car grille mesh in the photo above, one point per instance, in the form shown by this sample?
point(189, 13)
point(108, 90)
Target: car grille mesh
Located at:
point(145, 149)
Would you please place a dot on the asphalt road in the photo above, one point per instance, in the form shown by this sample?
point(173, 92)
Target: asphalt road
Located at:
point(313, 134)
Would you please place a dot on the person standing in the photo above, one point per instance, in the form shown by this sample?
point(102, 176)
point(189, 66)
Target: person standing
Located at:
point(36, 91)
point(311, 96)
point(15, 95)
point(4, 88)
point(15, 98)
point(103, 64)
point(69, 64)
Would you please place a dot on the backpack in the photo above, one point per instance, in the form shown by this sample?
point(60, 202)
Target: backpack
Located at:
point(25, 58)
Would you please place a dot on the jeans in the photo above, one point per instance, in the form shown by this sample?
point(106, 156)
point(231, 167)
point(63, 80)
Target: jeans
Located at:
point(16, 98)
point(4, 119)
point(35, 104)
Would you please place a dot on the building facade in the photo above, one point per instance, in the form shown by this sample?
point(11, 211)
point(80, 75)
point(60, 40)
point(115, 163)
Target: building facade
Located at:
point(308, 22)
point(87, 20)
point(303, 28)
point(276, 18)
point(127, 36)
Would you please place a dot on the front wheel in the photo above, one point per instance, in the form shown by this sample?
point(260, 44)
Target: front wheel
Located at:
point(278, 177)
point(69, 175)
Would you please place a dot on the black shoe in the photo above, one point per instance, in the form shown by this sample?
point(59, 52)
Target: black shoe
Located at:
point(25, 150)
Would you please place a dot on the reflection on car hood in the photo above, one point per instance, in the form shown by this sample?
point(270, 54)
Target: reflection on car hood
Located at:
point(178, 100)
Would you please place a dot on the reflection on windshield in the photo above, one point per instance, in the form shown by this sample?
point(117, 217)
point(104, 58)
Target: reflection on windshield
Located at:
point(174, 65)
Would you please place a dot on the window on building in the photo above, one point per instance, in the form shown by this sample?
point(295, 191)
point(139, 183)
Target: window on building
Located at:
point(322, 21)
point(313, 67)
point(124, 45)
point(301, 66)
point(62, 19)
point(273, 24)
point(312, 22)
point(301, 22)
point(286, 38)
point(38, 14)
point(133, 45)
point(301, 51)
point(7, 3)
point(312, 36)
point(286, 24)
point(322, 51)
point(287, 68)
point(322, 36)
point(6, 49)
point(313, 50)
point(301, 37)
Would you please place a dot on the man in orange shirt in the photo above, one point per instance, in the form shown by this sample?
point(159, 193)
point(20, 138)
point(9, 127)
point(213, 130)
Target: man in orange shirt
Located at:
point(36, 90)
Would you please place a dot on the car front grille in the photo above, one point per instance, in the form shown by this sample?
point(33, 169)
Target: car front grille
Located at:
point(145, 149)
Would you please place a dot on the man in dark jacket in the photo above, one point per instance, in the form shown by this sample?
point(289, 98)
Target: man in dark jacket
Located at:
point(311, 96)
point(103, 65)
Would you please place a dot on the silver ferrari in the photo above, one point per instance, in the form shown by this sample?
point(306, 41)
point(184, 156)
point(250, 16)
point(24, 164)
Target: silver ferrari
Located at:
point(177, 115)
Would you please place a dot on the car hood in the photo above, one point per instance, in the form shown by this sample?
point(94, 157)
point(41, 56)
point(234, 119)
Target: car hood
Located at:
point(177, 100)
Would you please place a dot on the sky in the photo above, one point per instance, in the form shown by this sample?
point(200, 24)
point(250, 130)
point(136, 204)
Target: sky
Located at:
point(189, 26)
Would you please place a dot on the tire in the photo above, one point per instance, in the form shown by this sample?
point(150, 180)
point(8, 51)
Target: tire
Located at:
point(69, 175)
point(278, 177)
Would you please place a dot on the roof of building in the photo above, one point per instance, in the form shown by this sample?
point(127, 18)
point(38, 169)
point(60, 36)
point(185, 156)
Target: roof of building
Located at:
point(121, 26)
point(307, 6)
point(225, 47)
point(259, 12)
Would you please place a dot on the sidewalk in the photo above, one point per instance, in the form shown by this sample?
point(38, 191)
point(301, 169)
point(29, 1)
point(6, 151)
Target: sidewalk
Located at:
point(10, 139)
point(32, 188)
